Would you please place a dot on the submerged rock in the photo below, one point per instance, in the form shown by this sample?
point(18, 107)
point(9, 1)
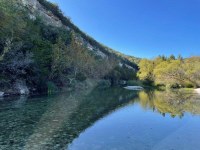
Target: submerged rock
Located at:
point(134, 88)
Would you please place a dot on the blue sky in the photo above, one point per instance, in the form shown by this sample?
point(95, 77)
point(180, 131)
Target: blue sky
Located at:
point(142, 28)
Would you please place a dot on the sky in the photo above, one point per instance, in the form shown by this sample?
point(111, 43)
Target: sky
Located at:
point(141, 28)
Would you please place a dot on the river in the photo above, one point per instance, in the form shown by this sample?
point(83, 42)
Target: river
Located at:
point(102, 119)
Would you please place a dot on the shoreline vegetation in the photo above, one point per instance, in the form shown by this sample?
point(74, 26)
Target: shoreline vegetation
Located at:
point(170, 72)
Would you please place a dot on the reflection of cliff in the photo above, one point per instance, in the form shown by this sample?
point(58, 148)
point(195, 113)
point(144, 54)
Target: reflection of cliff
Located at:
point(92, 107)
point(53, 122)
point(176, 103)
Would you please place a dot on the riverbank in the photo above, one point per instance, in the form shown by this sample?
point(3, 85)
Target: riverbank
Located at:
point(23, 89)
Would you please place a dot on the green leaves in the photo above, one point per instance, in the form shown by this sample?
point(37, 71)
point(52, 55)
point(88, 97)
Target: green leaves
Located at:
point(171, 71)
point(146, 68)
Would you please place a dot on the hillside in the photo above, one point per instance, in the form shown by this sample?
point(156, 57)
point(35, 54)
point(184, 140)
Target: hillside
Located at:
point(41, 50)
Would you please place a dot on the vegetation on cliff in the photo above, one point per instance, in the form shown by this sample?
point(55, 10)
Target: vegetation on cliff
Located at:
point(44, 56)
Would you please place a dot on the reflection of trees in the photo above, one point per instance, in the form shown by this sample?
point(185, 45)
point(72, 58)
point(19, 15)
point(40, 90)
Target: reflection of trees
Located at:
point(53, 122)
point(91, 107)
point(176, 102)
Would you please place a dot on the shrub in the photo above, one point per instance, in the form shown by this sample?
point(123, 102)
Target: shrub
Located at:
point(81, 77)
point(104, 84)
point(52, 88)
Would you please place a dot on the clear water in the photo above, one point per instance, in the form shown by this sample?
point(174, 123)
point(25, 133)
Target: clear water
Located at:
point(111, 119)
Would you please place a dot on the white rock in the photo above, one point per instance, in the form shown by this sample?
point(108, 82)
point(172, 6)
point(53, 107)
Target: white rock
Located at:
point(20, 86)
point(37, 9)
point(197, 90)
point(1, 94)
point(129, 67)
point(134, 88)
point(32, 17)
point(120, 64)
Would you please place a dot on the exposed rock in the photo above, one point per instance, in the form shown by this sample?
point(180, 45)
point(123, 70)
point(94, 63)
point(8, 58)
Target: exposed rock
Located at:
point(136, 88)
point(129, 67)
point(120, 64)
point(32, 17)
point(1, 94)
point(37, 9)
point(96, 51)
point(21, 87)
point(20, 58)
point(197, 90)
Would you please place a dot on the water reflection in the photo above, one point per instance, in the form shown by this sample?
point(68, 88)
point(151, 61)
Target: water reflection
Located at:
point(53, 122)
point(174, 102)
point(140, 125)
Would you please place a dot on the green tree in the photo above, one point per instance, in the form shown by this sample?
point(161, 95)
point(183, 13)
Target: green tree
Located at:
point(169, 73)
point(172, 57)
point(146, 68)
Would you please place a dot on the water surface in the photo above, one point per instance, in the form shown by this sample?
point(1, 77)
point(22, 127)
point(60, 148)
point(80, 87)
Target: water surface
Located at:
point(96, 119)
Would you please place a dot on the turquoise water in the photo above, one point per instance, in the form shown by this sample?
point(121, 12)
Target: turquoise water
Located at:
point(96, 119)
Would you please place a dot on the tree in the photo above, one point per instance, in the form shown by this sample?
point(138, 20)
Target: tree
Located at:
point(170, 73)
point(61, 59)
point(172, 57)
point(146, 68)
point(192, 70)
point(180, 57)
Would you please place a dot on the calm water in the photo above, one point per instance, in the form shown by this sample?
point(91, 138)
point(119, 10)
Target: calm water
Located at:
point(111, 119)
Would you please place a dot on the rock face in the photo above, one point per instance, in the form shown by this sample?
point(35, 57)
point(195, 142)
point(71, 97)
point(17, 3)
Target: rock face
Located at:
point(35, 8)
point(20, 69)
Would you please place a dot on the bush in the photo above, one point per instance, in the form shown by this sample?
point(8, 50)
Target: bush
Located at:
point(189, 85)
point(52, 88)
point(104, 84)
point(81, 77)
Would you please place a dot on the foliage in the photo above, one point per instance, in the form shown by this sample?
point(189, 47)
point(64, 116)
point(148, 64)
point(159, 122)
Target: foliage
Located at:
point(171, 72)
point(132, 61)
point(52, 88)
point(146, 70)
point(47, 57)
point(174, 102)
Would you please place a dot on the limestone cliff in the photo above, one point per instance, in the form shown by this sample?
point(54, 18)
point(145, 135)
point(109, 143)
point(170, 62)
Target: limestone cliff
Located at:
point(42, 50)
